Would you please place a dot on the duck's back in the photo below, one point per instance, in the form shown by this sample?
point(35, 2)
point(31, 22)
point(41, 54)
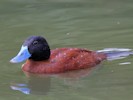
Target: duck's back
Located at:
point(65, 59)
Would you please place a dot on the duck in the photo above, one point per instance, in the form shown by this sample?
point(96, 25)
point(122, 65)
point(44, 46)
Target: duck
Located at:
point(39, 59)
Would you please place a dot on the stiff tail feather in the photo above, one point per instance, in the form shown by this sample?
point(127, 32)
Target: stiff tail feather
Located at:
point(116, 53)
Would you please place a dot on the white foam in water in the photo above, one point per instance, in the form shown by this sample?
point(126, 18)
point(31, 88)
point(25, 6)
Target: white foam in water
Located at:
point(114, 49)
point(116, 53)
point(125, 63)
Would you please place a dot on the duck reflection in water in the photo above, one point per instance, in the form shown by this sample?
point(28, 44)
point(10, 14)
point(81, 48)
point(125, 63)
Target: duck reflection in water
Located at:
point(35, 85)
point(39, 84)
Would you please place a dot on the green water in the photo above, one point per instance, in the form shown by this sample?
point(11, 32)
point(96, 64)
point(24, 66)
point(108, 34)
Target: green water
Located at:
point(92, 24)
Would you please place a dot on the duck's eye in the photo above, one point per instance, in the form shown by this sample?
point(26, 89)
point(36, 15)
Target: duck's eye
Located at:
point(35, 42)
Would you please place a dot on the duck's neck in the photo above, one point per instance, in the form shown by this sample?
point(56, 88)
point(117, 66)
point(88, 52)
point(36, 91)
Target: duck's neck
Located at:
point(42, 55)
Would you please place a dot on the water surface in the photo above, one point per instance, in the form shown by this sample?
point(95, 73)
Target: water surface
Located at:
point(95, 25)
